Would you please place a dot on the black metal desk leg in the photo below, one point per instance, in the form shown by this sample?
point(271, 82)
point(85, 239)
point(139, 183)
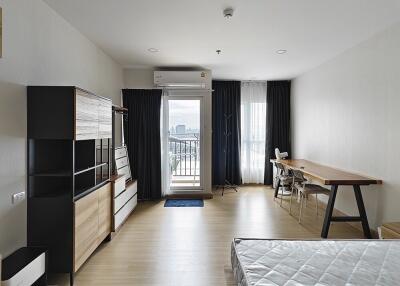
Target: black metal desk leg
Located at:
point(278, 182)
point(361, 210)
point(329, 211)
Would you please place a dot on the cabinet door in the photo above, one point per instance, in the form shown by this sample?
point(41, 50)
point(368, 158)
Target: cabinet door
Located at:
point(105, 118)
point(104, 211)
point(86, 115)
point(86, 228)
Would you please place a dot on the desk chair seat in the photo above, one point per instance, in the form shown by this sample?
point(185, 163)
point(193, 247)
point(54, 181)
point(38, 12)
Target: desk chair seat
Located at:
point(305, 189)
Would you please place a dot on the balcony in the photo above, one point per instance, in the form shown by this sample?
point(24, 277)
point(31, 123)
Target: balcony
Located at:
point(184, 156)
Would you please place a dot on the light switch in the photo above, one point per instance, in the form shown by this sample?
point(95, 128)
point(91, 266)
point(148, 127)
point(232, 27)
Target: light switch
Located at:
point(18, 197)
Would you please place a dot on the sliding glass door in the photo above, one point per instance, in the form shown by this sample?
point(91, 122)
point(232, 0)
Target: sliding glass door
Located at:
point(184, 152)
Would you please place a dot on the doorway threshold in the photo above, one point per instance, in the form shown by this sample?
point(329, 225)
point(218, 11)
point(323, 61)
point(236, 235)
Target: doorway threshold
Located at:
point(190, 195)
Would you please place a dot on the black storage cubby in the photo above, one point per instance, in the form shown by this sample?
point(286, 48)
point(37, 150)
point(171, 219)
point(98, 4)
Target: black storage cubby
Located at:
point(50, 157)
point(84, 155)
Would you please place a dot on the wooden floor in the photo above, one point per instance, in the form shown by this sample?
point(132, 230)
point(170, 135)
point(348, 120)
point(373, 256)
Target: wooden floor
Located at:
point(191, 246)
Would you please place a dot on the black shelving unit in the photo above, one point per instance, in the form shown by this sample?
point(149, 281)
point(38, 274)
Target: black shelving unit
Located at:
point(68, 158)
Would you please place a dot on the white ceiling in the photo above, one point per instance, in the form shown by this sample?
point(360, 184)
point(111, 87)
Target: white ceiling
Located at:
point(188, 32)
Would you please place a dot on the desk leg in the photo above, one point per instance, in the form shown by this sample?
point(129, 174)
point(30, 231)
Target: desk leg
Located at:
point(278, 182)
point(329, 211)
point(361, 210)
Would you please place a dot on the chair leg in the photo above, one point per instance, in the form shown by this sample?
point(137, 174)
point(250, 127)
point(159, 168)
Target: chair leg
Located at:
point(316, 203)
point(301, 206)
point(290, 205)
point(281, 194)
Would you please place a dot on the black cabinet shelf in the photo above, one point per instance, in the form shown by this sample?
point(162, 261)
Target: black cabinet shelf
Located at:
point(78, 172)
point(53, 174)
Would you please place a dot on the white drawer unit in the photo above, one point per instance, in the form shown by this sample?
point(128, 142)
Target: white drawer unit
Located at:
point(118, 186)
point(122, 162)
point(124, 212)
point(125, 196)
point(124, 199)
point(120, 152)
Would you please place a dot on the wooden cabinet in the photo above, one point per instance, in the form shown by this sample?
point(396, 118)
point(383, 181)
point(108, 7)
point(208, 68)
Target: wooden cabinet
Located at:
point(93, 116)
point(105, 213)
point(68, 112)
point(92, 223)
point(105, 118)
point(86, 228)
point(69, 201)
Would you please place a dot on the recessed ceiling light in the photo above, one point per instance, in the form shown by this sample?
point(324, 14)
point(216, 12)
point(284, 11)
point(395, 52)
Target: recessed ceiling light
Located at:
point(281, 52)
point(153, 50)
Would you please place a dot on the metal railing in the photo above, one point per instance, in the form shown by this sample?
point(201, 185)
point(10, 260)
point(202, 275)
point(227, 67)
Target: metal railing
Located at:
point(184, 150)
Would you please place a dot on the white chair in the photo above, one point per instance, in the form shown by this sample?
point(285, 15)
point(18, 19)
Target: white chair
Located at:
point(305, 189)
point(279, 155)
point(286, 180)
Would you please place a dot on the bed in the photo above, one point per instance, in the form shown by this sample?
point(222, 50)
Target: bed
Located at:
point(315, 262)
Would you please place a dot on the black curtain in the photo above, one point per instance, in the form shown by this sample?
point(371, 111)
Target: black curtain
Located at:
point(226, 151)
point(278, 123)
point(142, 137)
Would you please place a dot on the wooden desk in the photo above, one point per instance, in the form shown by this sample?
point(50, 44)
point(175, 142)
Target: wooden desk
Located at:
point(334, 177)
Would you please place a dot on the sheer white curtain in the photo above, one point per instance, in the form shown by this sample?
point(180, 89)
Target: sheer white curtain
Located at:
point(253, 125)
point(165, 167)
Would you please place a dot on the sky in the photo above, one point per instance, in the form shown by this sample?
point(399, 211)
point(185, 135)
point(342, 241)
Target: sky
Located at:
point(186, 112)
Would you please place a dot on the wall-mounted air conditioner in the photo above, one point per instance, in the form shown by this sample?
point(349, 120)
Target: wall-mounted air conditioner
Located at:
point(183, 79)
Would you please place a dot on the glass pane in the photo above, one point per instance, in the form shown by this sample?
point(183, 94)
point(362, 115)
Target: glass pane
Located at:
point(184, 142)
point(106, 151)
point(98, 152)
point(98, 176)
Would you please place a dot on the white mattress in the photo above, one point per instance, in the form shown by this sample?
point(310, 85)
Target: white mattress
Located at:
point(318, 262)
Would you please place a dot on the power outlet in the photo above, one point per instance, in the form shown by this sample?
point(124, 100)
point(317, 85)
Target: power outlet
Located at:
point(18, 197)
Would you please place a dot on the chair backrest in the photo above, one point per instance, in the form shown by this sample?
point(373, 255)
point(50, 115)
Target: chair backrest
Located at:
point(280, 166)
point(298, 174)
point(280, 155)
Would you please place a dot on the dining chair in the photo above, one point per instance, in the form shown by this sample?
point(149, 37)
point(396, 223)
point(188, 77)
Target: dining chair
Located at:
point(285, 178)
point(304, 189)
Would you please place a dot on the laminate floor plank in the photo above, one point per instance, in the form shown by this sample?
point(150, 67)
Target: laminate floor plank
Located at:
point(191, 245)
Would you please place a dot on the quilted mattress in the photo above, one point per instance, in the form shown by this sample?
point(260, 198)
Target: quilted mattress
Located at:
point(316, 262)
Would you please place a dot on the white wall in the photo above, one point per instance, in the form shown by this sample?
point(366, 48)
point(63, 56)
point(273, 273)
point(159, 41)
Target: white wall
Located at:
point(139, 78)
point(144, 79)
point(39, 48)
point(346, 113)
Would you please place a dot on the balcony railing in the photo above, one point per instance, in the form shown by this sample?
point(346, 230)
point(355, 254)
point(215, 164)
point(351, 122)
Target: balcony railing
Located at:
point(184, 150)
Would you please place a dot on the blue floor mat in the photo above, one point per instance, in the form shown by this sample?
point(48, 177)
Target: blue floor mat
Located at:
point(184, 203)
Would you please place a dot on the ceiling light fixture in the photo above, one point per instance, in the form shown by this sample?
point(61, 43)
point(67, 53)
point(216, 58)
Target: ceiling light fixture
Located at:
point(281, 52)
point(218, 51)
point(228, 13)
point(153, 50)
